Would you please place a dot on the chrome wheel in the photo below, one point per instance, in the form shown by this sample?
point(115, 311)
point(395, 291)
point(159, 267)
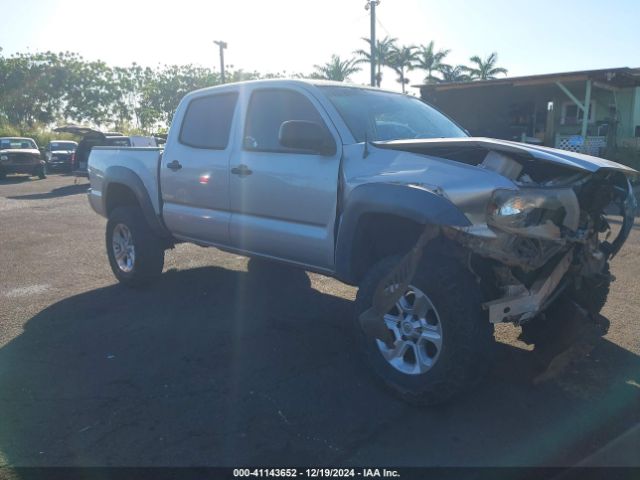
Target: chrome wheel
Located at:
point(416, 326)
point(123, 248)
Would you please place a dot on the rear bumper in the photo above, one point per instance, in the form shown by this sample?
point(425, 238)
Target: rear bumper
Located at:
point(59, 165)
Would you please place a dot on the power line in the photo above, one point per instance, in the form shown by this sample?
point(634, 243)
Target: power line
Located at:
point(383, 27)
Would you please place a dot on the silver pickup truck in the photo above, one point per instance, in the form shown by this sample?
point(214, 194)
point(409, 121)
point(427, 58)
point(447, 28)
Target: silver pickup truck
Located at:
point(346, 181)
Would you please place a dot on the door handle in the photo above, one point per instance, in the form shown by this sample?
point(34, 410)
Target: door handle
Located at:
point(175, 165)
point(241, 170)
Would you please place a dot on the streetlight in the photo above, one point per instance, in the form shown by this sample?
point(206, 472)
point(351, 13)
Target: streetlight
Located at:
point(371, 5)
point(221, 45)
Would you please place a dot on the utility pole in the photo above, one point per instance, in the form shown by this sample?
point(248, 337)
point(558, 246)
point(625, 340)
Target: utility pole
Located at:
point(371, 5)
point(222, 45)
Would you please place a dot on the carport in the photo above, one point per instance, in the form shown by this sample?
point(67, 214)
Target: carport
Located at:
point(581, 111)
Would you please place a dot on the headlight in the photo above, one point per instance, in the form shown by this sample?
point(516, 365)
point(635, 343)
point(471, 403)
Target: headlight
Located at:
point(520, 209)
point(4, 157)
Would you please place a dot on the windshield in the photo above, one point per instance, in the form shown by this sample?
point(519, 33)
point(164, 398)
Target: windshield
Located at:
point(60, 146)
point(118, 141)
point(389, 116)
point(16, 143)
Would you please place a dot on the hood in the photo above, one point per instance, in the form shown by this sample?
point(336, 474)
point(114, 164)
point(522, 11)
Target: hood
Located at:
point(8, 151)
point(473, 150)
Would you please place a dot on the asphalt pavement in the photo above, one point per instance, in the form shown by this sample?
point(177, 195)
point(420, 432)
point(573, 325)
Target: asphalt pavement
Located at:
point(226, 362)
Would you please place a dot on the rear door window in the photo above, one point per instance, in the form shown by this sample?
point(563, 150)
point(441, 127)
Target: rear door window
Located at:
point(207, 122)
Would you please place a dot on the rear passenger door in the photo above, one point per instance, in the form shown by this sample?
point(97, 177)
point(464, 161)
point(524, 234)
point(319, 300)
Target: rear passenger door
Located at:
point(194, 169)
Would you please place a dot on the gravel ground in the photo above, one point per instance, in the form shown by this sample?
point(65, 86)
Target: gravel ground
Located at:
point(222, 363)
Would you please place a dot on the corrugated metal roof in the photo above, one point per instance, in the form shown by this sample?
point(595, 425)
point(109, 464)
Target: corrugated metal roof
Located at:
point(616, 77)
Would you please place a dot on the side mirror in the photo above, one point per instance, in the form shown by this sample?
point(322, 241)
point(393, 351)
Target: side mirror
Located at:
point(309, 136)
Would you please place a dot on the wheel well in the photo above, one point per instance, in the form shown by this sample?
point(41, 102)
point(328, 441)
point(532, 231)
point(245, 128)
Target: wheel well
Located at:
point(379, 236)
point(119, 195)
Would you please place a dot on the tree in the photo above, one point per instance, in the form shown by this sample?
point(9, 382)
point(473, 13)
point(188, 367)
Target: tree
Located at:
point(382, 52)
point(459, 73)
point(336, 69)
point(430, 61)
point(402, 59)
point(32, 87)
point(485, 69)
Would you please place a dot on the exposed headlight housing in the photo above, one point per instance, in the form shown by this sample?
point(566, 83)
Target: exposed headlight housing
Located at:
point(4, 157)
point(534, 211)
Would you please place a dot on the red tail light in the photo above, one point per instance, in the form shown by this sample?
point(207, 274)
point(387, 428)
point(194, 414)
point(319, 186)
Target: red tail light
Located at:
point(73, 161)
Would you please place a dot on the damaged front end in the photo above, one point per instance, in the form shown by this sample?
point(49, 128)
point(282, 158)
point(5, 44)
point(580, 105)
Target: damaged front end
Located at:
point(542, 231)
point(546, 235)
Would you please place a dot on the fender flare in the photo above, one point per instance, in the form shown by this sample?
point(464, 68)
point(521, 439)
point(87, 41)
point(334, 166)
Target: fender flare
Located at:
point(411, 202)
point(127, 177)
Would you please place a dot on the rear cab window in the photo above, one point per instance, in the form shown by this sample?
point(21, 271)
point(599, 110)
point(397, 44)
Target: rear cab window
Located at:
point(207, 121)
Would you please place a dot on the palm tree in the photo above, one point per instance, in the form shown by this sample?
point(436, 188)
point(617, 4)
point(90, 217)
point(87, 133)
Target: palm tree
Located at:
point(401, 59)
point(382, 52)
point(430, 60)
point(336, 69)
point(459, 73)
point(485, 69)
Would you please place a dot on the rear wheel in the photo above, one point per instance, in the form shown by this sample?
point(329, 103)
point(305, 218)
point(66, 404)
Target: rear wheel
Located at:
point(136, 254)
point(442, 339)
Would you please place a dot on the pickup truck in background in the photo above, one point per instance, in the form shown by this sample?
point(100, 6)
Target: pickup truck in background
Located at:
point(21, 155)
point(345, 181)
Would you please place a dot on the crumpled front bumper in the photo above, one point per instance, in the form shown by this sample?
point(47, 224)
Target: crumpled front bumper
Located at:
point(519, 304)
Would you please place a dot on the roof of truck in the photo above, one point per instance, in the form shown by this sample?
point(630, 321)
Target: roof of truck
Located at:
point(290, 82)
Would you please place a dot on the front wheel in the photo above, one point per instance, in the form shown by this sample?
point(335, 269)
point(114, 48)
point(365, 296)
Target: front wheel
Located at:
point(443, 340)
point(136, 254)
point(593, 292)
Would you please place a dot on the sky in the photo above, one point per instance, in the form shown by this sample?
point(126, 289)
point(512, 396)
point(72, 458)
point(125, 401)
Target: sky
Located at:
point(292, 35)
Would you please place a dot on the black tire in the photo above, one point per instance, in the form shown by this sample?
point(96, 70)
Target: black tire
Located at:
point(3, 175)
point(593, 292)
point(592, 296)
point(148, 248)
point(467, 334)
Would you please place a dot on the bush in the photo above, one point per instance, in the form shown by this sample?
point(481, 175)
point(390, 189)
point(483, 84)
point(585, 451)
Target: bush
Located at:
point(41, 134)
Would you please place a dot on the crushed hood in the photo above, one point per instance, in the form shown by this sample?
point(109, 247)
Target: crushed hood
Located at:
point(525, 152)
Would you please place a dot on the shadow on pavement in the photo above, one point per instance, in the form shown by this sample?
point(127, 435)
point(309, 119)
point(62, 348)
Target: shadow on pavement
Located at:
point(55, 193)
point(12, 179)
point(218, 367)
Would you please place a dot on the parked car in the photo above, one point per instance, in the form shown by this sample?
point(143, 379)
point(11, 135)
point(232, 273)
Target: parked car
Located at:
point(20, 155)
point(446, 235)
point(59, 153)
point(92, 138)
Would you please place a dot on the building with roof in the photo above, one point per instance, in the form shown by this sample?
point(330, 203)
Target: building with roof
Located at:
point(548, 109)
